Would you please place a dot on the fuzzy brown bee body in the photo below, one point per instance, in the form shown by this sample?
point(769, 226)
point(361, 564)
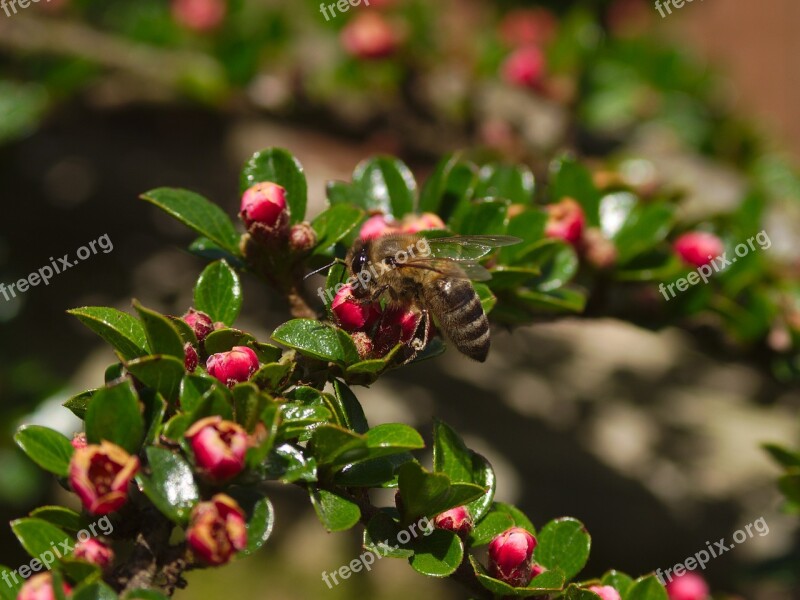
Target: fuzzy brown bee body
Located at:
point(433, 275)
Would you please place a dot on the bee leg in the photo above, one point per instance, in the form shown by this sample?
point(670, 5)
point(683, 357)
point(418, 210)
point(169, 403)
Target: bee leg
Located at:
point(379, 292)
point(419, 341)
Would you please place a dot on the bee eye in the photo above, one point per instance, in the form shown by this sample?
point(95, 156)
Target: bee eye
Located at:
point(359, 261)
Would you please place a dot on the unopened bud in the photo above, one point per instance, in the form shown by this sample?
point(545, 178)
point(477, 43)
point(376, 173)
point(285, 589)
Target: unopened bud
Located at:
point(458, 520)
point(352, 313)
point(565, 221)
point(95, 552)
point(302, 238)
point(698, 248)
point(190, 357)
point(234, 366)
point(200, 323)
point(510, 556)
point(525, 67)
point(264, 204)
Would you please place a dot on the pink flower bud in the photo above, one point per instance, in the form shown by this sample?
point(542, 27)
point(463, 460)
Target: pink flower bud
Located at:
point(565, 221)
point(698, 248)
point(510, 556)
point(689, 586)
point(199, 15)
point(217, 530)
point(397, 326)
point(528, 26)
point(423, 222)
point(234, 366)
point(350, 312)
point(40, 587)
point(95, 552)
point(524, 67)
point(376, 226)
point(200, 323)
point(264, 203)
point(458, 520)
point(190, 357)
point(79, 441)
point(369, 36)
point(302, 238)
point(599, 251)
point(363, 344)
point(606, 592)
point(100, 475)
point(536, 570)
point(219, 447)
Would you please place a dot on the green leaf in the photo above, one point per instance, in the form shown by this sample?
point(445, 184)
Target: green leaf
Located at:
point(248, 404)
point(222, 340)
point(273, 376)
point(335, 447)
point(519, 517)
point(789, 485)
point(37, 536)
point(145, 595)
point(646, 588)
point(162, 336)
point(351, 413)
point(380, 537)
point(618, 580)
point(387, 184)
point(544, 584)
point(449, 187)
point(488, 299)
point(94, 591)
point(124, 332)
point(287, 463)
point(203, 216)
point(527, 226)
point(482, 217)
point(81, 572)
point(162, 373)
point(47, 448)
point(438, 554)
point(218, 292)
point(512, 182)
point(114, 414)
point(171, 485)
point(278, 166)
point(335, 512)
point(570, 179)
point(783, 456)
point(376, 472)
point(643, 230)
point(203, 396)
point(270, 417)
point(575, 592)
point(316, 340)
point(155, 407)
point(79, 403)
point(427, 494)
point(334, 224)
point(491, 525)
point(260, 517)
point(563, 544)
point(9, 592)
point(60, 516)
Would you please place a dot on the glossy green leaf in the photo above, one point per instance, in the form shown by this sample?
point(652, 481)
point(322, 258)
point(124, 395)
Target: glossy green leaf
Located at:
point(203, 396)
point(170, 485)
point(191, 209)
point(218, 292)
point(646, 588)
point(643, 230)
point(527, 226)
point(618, 580)
point(482, 217)
point(450, 186)
point(9, 591)
point(380, 537)
point(563, 544)
point(288, 464)
point(259, 514)
point(519, 517)
point(570, 179)
point(351, 413)
point(78, 403)
point(334, 224)
point(162, 335)
point(376, 472)
point(438, 554)
point(493, 524)
point(94, 591)
point(248, 404)
point(273, 376)
point(278, 166)
point(387, 184)
point(114, 414)
point(511, 182)
point(271, 418)
point(316, 340)
point(60, 516)
point(37, 536)
point(123, 331)
point(47, 448)
point(427, 494)
point(335, 512)
point(162, 373)
point(222, 340)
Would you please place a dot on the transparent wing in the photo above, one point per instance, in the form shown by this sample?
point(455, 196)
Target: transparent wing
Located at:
point(463, 269)
point(468, 247)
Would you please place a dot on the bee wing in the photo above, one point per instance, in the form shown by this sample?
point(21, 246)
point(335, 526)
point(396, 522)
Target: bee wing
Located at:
point(469, 247)
point(462, 269)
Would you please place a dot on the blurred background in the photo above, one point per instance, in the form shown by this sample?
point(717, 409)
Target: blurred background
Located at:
point(649, 436)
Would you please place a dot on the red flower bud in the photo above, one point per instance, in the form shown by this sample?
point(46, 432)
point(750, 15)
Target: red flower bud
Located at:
point(40, 587)
point(423, 222)
point(510, 556)
point(219, 447)
point(100, 475)
point(200, 323)
point(302, 237)
point(79, 441)
point(190, 357)
point(698, 248)
point(350, 312)
point(606, 592)
point(397, 326)
point(565, 221)
point(199, 15)
point(458, 520)
point(234, 366)
point(528, 26)
point(524, 67)
point(369, 36)
point(217, 530)
point(689, 586)
point(264, 203)
point(363, 344)
point(536, 570)
point(95, 552)
point(376, 226)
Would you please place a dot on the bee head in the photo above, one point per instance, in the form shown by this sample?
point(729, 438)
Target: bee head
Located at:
point(359, 258)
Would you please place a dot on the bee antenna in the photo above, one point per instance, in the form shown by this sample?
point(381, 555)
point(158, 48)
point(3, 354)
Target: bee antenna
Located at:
point(328, 266)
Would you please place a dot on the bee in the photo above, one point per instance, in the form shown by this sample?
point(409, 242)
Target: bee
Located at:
point(434, 276)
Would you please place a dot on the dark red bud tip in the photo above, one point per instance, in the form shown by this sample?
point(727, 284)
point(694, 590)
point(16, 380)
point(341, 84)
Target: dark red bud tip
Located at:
point(264, 204)
point(698, 248)
point(190, 357)
point(200, 323)
point(458, 520)
point(565, 221)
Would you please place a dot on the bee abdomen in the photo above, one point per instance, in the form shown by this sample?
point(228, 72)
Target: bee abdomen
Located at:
point(462, 318)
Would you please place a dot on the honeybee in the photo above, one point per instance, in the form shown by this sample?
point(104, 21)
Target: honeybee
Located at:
point(434, 276)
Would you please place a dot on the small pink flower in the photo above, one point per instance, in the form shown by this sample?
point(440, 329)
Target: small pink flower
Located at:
point(264, 203)
point(369, 36)
point(351, 313)
point(234, 366)
point(606, 592)
point(95, 552)
point(199, 15)
point(397, 326)
point(219, 447)
point(190, 357)
point(217, 530)
point(302, 237)
point(200, 323)
point(510, 556)
point(698, 248)
point(689, 586)
point(79, 441)
point(423, 222)
point(525, 67)
point(528, 26)
point(565, 221)
point(458, 520)
point(376, 226)
point(40, 587)
point(100, 475)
